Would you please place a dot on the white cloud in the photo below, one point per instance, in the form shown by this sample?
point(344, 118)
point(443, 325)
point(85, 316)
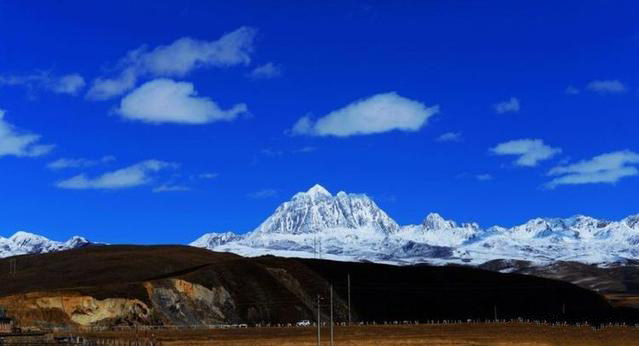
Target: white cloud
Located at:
point(106, 88)
point(176, 60)
point(606, 86)
point(604, 168)
point(511, 105)
point(262, 194)
point(14, 142)
point(450, 137)
point(530, 151)
point(376, 114)
point(484, 177)
point(304, 150)
point(171, 188)
point(135, 175)
point(209, 175)
point(78, 163)
point(168, 101)
point(266, 71)
point(70, 84)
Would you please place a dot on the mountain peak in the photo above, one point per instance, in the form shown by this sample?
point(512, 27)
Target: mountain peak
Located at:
point(318, 189)
point(26, 237)
point(317, 211)
point(436, 221)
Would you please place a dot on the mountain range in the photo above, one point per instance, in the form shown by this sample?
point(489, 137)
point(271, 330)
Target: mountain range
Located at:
point(22, 243)
point(352, 227)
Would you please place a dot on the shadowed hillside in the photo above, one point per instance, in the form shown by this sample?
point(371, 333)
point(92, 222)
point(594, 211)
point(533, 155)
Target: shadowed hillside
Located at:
point(180, 285)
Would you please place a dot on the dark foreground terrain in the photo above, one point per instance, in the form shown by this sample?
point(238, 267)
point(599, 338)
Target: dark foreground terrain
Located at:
point(110, 286)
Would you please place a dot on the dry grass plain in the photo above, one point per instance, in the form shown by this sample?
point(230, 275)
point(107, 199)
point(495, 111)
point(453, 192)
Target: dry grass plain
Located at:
point(449, 335)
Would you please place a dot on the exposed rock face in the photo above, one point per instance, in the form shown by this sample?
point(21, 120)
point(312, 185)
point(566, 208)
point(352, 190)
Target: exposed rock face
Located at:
point(172, 302)
point(73, 309)
point(181, 302)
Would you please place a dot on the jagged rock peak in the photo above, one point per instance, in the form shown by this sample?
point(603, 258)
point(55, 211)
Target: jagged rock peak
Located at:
point(318, 189)
point(317, 210)
point(436, 221)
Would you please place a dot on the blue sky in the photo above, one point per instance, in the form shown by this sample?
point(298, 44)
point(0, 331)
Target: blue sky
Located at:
point(154, 122)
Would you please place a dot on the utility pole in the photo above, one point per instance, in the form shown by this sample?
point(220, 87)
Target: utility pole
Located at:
point(348, 277)
point(319, 337)
point(331, 315)
point(495, 313)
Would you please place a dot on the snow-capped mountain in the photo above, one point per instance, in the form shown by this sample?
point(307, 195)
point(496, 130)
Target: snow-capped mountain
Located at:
point(22, 243)
point(211, 240)
point(317, 210)
point(434, 230)
point(316, 222)
point(352, 227)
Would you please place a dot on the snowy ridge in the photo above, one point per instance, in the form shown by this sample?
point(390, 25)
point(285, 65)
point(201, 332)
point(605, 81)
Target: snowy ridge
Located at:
point(211, 240)
point(352, 227)
point(317, 210)
point(22, 243)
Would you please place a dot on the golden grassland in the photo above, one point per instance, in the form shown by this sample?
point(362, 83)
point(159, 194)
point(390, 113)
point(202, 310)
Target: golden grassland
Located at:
point(501, 334)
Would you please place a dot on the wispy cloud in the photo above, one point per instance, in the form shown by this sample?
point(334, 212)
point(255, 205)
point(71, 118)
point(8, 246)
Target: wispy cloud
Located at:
point(175, 60)
point(131, 176)
point(209, 175)
point(606, 86)
point(484, 177)
point(167, 101)
point(509, 106)
point(376, 114)
point(266, 71)
point(262, 194)
point(70, 84)
point(171, 188)
point(605, 168)
point(450, 137)
point(529, 151)
point(15, 142)
point(304, 150)
point(78, 163)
